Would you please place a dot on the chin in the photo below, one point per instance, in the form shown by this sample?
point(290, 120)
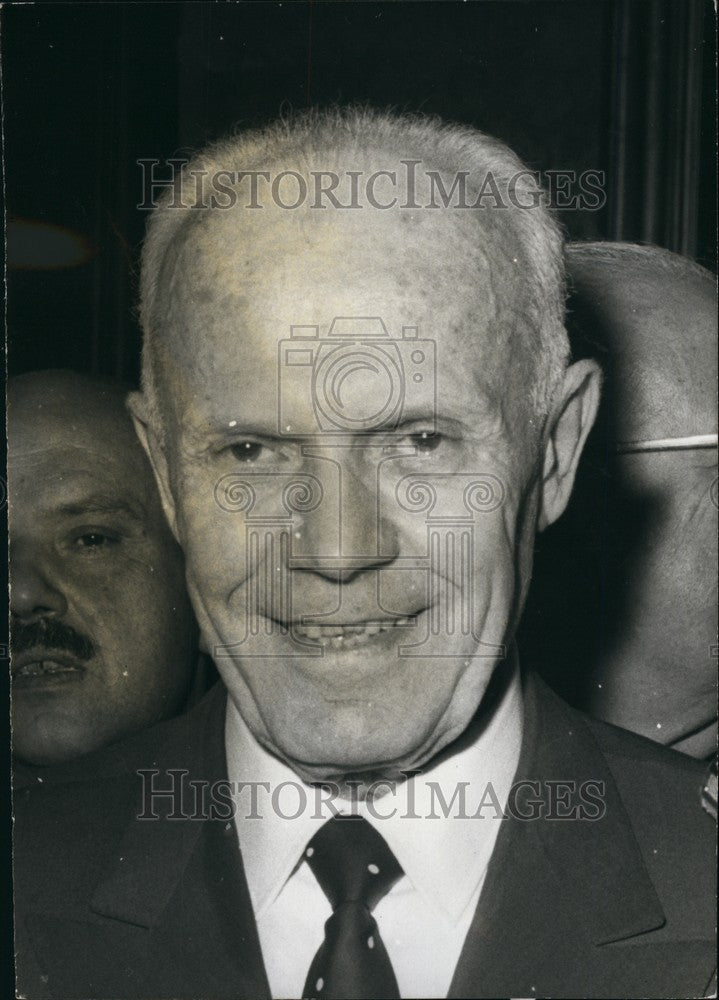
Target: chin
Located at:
point(358, 742)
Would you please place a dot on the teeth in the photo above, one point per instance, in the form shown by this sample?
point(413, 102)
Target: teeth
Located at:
point(346, 636)
point(40, 667)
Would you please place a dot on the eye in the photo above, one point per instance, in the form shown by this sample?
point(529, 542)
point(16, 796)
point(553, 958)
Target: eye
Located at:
point(426, 441)
point(247, 452)
point(95, 540)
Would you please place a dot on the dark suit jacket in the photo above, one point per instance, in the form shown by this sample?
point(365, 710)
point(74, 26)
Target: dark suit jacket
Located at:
point(108, 906)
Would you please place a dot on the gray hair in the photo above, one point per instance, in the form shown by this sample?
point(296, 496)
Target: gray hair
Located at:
point(357, 133)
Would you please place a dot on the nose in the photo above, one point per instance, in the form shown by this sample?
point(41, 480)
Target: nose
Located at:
point(343, 536)
point(34, 592)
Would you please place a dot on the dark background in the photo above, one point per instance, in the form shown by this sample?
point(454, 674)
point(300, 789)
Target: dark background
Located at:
point(622, 86)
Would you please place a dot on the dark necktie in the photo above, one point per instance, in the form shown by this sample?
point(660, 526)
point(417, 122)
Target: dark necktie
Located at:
point(355, 868)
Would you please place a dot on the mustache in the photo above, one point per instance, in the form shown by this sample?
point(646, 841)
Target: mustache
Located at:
point(51, 635)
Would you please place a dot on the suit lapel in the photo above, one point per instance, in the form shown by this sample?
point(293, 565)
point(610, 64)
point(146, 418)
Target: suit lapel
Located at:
point(182, 882)
point(558, 892)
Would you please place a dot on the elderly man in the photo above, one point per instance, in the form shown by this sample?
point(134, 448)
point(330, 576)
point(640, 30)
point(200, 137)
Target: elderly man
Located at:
point(360, 411)
point(640, 541)
point(103, 640)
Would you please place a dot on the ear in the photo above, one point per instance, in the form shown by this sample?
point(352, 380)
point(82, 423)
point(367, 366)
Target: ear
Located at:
point(139, 411)
point(572, 416)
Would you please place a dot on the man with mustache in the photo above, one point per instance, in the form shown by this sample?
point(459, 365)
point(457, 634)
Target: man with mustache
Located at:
point(103, 640)
point(360, 408)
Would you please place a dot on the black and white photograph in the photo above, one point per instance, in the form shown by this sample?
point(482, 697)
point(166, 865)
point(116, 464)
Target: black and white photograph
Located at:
point(360, 500)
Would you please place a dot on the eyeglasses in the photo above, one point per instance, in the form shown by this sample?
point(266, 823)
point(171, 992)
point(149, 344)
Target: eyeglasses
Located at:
point(668, 444)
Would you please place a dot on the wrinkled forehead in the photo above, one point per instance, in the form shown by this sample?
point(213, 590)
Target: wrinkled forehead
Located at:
point(245, 278)
point(659, 329)
point(57, 445)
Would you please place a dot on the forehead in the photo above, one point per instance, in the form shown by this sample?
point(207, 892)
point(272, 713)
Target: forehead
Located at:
point(59, 459)
point(241, 256)
point(239, 282)
point(659, 327)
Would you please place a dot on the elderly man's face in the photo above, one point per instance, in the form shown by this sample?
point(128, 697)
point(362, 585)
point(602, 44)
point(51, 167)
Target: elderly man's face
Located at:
point(357, 508)
point(102, 630)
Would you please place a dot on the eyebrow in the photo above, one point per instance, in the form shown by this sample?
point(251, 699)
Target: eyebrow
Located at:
point(99, 503)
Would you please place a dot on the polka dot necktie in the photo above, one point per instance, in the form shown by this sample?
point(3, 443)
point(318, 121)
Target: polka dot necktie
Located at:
point(355, 868)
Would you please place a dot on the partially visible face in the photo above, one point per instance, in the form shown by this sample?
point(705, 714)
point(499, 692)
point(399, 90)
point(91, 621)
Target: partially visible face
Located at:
point(355, 625)
point(101, 629)
point(659, 679)
point(658, 675)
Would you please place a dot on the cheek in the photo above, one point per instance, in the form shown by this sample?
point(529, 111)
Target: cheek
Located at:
point(104, 604)
point(503, 549)
point(495, 541)
point(214, 540)
point(128, 620)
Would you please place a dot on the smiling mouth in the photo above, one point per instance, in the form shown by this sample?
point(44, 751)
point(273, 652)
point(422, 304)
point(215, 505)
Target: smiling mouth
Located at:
point(349, 635)
point(27, 669)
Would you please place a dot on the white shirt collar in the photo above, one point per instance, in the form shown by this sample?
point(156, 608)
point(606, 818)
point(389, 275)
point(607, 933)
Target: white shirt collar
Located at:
point(444, 857)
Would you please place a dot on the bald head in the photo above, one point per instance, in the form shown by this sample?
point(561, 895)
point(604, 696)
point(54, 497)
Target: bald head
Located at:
point(654, 314)
point(102, 632)
point(411, 180)
point(63, 409)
